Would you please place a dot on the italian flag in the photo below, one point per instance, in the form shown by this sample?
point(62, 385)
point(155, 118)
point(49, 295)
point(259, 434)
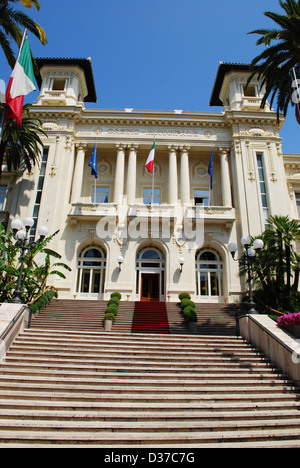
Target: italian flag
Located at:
point(21, 83)
point(150, 160)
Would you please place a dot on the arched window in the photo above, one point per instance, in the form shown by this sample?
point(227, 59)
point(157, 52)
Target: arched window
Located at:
point(209, 274)
point(91, 271)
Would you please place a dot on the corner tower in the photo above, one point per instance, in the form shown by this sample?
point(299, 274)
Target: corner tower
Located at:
point(65, 81)
point(230, 90)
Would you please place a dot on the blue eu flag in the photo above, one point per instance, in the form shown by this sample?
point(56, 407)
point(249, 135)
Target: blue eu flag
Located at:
point(93, 163)
point(211, 168)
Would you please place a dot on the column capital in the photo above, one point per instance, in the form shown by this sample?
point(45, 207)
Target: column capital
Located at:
point(133, 147)
point(82, 146)
point(184, 148)
point(121, 146)
point(172, 148)
point(223, 150)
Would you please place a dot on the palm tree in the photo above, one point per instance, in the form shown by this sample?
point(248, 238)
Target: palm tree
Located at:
point(274, 66)
point(21, 146)
point(272, 270)
point(12, 25)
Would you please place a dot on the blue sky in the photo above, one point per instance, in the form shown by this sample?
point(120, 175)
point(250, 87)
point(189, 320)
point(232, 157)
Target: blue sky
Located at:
point(155, 54)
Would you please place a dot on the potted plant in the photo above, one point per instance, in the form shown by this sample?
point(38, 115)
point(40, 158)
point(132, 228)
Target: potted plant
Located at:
point(111, 311)
point(191, 318)
point(109, 319)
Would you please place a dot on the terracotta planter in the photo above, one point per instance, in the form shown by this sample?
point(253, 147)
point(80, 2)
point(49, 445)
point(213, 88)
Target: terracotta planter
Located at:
point(108, 325)
point(193, 327)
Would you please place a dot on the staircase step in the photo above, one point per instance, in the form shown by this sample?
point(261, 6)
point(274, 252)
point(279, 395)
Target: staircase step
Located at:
point(89, 388)
point(150, 318)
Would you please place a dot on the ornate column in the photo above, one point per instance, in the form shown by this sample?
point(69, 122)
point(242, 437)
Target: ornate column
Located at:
point(131, 174)
point(119, 175)
point(173, 183)
point(225, 178)
point(78, 172)
point(185, 175)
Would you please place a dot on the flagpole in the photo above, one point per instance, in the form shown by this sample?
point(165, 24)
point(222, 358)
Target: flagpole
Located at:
point(22, 43)
point(153, 171)
point(2, 124)
point(95, 196)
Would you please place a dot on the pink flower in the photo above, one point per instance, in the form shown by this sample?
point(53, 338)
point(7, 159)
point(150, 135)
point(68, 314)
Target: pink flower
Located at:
point(288, 320)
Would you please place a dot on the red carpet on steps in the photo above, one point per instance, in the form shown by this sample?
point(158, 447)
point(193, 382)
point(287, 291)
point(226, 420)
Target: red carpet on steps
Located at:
point(150, 317)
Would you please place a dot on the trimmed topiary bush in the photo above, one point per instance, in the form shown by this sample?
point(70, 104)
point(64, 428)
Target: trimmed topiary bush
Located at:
point(110, 316)
point(43, 300)
point(114, 300)
point(184, 295)
point(116, 294)
point(112, 308)
point(187, 303)
point(190, 314)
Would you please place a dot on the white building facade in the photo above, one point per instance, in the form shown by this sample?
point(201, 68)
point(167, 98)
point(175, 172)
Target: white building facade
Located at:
point(152, 236)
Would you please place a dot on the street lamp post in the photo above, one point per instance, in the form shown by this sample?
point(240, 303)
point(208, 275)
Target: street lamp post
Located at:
point(251, 253)
point(21, 236)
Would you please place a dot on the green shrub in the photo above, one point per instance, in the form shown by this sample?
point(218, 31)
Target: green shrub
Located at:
point(116, 294)
point(187, 303)
point(190, 314)
point(110, 316)
point(112, 309)
point(191, 317)
point(43, 300)
point(114, 300)
point(184, 295)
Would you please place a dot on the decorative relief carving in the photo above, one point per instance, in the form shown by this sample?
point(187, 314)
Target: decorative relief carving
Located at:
point(104, 168)
point(200, 170)
point(51, 125)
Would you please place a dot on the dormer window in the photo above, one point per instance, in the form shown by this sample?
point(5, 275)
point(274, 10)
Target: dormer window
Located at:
point(59, 84)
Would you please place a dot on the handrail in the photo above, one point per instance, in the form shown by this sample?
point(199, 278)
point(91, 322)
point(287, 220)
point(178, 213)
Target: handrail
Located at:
point(12, 323)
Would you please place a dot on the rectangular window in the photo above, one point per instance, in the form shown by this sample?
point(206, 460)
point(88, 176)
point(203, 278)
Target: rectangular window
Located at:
point(249, 91)
point(201, 197)
point(3, 189)
point(148, 196)
point(59, 84)
point(36, 208)
point(263, 189)
point(298, 204)
point(100, 195)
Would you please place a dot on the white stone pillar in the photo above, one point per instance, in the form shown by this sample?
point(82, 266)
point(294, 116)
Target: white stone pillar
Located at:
point(78, 173)
point(131, 174)
point(185, 175)
point(119, 175)
point(225, 179)
point(173, 183)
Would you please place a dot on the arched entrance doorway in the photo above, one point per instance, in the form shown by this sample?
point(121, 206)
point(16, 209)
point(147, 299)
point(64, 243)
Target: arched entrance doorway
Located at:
point(150, 275)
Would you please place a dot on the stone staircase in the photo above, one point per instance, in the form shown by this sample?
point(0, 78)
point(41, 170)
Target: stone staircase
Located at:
point(62, 388)
point(88, 315)
point(213, 319)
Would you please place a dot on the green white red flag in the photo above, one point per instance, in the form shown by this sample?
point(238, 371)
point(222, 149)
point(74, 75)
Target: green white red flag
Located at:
point(21, 83)
point(150, 160)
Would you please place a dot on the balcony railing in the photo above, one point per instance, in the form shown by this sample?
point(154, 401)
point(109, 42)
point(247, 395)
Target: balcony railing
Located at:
point(212, 214)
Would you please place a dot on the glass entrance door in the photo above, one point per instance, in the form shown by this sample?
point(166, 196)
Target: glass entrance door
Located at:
point(150, 287)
